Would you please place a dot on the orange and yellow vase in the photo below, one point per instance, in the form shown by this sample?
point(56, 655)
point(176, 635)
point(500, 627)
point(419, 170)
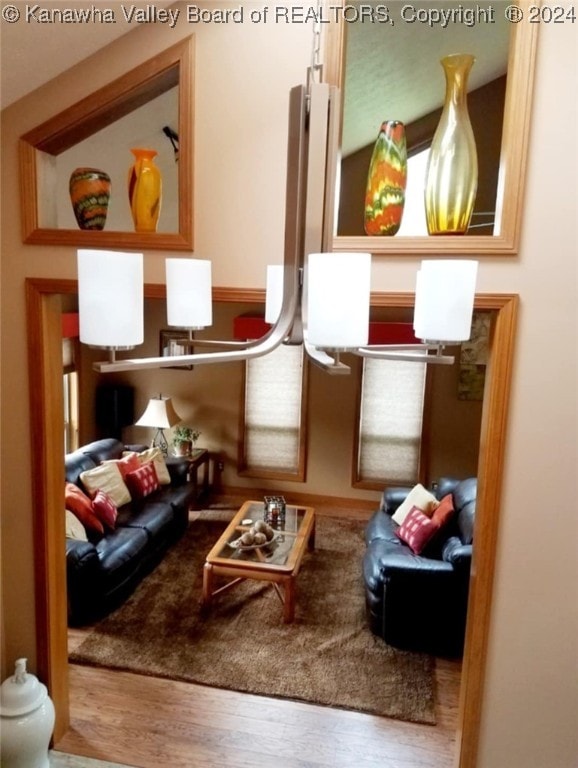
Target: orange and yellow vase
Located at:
point(386, 181)
point(145, 190)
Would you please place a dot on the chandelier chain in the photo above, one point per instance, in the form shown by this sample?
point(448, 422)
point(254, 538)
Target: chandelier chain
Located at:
point(314, 71)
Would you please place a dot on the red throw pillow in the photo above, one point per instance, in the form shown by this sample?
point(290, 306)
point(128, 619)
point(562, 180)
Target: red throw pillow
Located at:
point(443, 511)
point(417, 530)
point(129, 463)
point(143, 480)
point(105, 509)
point(81, 506)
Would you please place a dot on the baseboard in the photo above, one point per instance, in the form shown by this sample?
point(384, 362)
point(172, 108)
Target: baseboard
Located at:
point(336, 506)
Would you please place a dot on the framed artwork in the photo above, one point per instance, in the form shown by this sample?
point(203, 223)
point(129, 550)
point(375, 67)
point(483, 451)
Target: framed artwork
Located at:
point(474, 358)
point(171, 344)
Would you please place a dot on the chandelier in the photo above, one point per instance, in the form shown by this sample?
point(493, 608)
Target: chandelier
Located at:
point(318, 298)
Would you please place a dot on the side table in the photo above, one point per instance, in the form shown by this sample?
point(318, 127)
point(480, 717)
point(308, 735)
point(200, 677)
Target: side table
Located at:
point(200, 457)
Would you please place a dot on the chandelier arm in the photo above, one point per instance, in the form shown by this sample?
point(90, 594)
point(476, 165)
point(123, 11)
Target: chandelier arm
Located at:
point(326, 362)
point(293, 249)
point(396, 352)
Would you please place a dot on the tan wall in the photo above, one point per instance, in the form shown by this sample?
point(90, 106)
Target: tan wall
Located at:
point(209, 399)
point(529, 704)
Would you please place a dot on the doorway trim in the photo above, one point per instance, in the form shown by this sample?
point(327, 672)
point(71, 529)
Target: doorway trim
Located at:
point(46, 417)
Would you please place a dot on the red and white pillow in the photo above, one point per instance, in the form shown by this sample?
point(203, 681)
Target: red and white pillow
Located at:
point(417, 530)
point(105, 509)
point(142, 481)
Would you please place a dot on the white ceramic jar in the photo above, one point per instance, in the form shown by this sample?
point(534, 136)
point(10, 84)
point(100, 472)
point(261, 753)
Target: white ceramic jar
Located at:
point(26, 720)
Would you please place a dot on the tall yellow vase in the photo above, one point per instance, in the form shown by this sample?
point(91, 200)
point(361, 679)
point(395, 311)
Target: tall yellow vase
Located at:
point(452, 173)
point(145, 190)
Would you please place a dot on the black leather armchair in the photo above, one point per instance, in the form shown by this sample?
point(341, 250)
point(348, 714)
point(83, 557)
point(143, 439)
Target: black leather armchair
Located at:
point(419, 602)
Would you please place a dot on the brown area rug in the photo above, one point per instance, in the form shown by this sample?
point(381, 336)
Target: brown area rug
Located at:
point(326, 656)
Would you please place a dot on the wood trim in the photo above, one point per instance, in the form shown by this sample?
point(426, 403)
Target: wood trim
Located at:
point(106, 105)
point(512, 172)
point(47, 479)
point(45, 375)
point(488, 503)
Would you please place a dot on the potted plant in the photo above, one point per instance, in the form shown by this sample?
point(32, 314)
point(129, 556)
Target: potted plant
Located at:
point(184, 440)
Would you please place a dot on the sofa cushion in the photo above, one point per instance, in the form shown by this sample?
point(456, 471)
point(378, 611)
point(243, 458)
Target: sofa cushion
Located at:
point(417, 530)
point(120, 555)
point(142, 481)
point(75, 464)
point(153, 517)
point(81, 506)
point(107, 478)
point(381, 526)
point(101, 450)
point(105, 509)
point(417, 497)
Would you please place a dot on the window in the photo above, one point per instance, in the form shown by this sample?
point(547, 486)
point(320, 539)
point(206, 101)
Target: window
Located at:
point(70, 357)
point(273, 434)
point(70, 387)
point(390, 422)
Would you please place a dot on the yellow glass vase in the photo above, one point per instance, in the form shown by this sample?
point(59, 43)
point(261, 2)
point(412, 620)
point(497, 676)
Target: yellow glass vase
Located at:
point(452, 173)
point(145, 190)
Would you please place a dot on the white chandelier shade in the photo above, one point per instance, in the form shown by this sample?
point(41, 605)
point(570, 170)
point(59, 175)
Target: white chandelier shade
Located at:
point(338, 289)
point(189, 303)
point(110, 298)
point(444, 299)
point(274, 293)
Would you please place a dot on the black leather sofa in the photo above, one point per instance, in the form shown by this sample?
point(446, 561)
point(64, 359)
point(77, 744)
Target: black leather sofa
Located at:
point(102, 572)
point(419, 602)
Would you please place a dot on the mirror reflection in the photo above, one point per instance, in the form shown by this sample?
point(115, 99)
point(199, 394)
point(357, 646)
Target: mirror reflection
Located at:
point(109, 150)
point(392, 71)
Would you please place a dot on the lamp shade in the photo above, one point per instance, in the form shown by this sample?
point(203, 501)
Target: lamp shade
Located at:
point(189, 301)
point(159, 413)
point(444, 300)
point(110, 298)
point(338, 287)
point(274, 293)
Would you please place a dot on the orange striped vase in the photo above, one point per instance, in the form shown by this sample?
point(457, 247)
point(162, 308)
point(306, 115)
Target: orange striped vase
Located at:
point(386, 180)
point(90, 194)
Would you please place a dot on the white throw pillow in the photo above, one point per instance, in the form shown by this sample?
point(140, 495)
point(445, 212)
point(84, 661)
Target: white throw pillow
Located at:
point(74, 528)
point(418, 497)
point(107, 478)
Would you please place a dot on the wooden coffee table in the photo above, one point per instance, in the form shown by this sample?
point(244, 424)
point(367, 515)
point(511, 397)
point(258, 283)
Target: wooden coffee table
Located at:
point(278, 563)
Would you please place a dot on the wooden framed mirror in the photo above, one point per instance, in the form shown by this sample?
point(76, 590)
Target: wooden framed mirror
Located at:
point(512, 149)
point(163, 86)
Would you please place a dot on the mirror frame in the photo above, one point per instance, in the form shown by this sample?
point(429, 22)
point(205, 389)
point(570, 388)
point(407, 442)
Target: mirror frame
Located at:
point(512, 172)
point(140, 85)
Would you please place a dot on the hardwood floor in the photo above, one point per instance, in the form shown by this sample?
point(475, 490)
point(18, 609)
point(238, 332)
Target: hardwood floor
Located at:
point(151, 723)
point(146, 722)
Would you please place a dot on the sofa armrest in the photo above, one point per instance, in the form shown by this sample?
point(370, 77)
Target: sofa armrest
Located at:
point(178, 469)
point(456, 553)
